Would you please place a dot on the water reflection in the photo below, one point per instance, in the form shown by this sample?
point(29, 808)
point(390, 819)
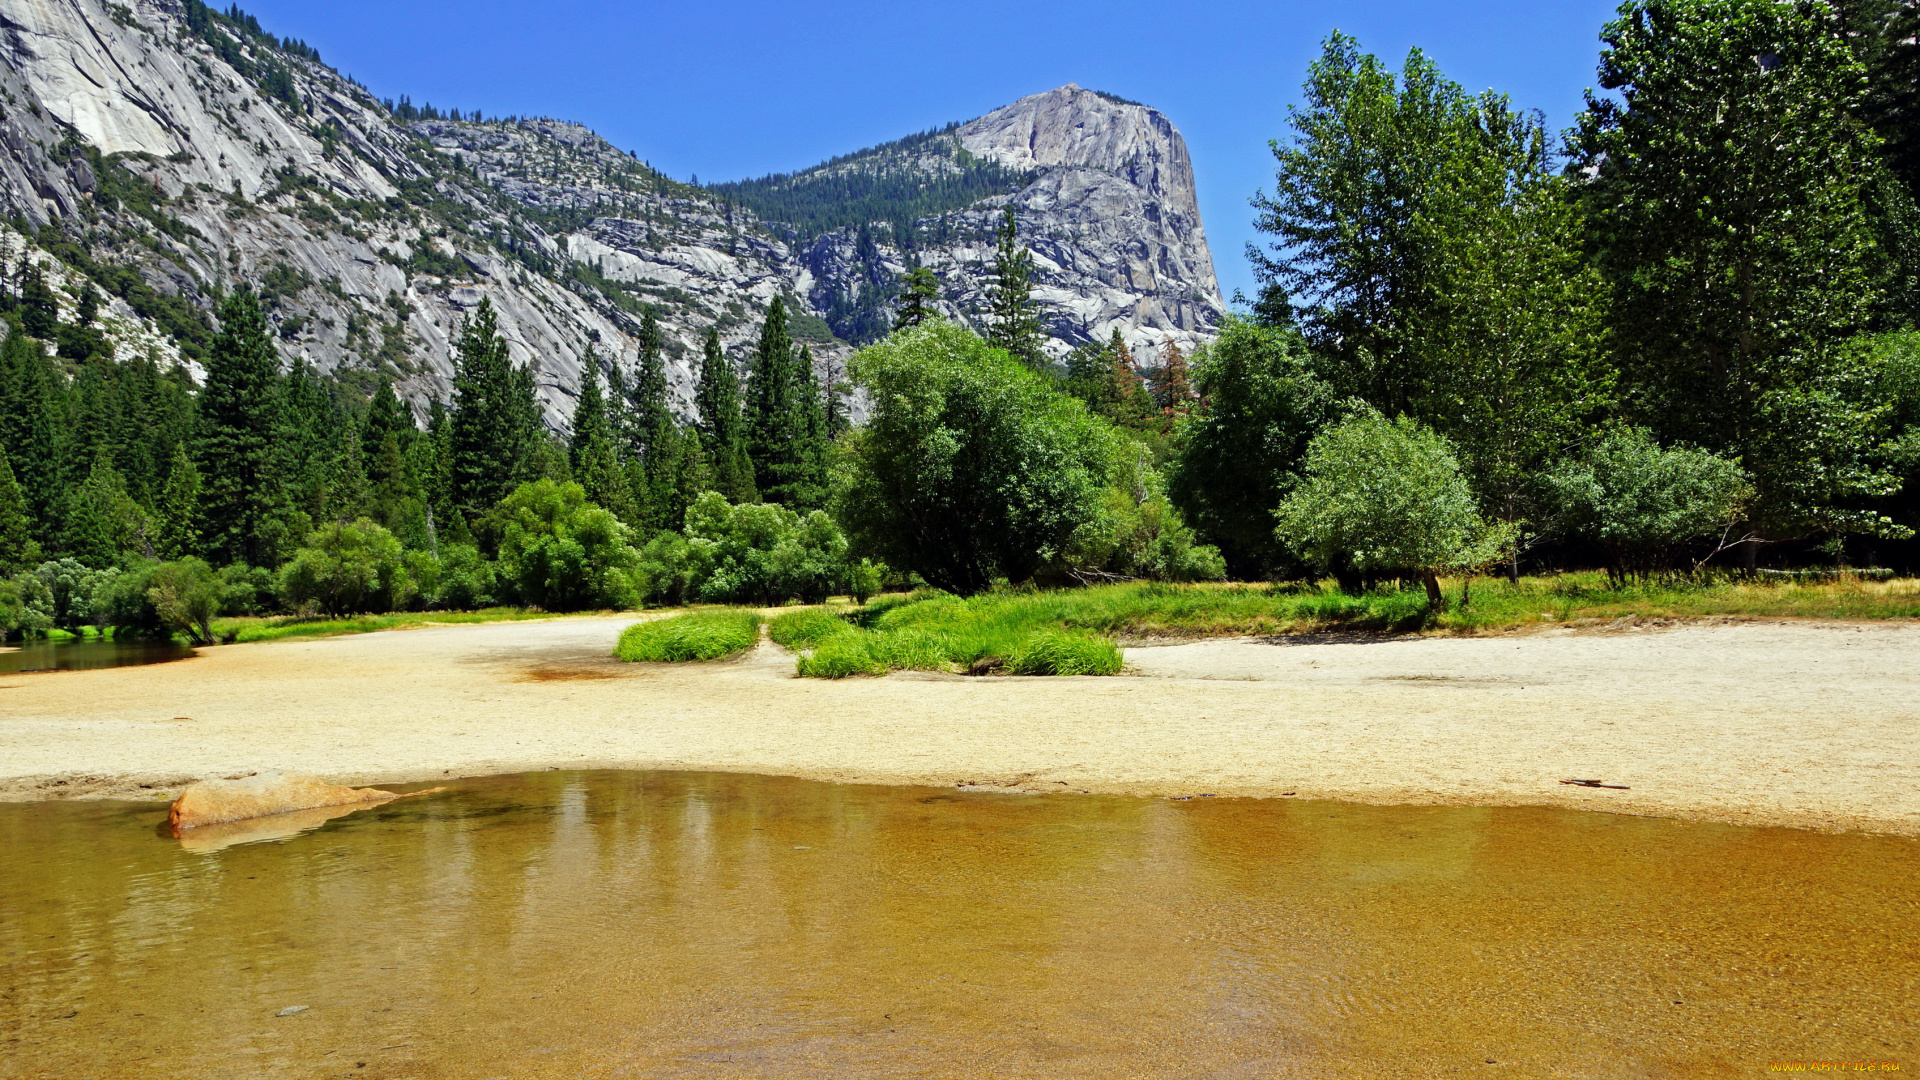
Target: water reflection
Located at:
point(85, 655)
point(672, 924)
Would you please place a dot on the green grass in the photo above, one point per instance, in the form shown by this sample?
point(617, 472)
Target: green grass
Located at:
point(698, 635)
point(1075, 631)
point(249, 628)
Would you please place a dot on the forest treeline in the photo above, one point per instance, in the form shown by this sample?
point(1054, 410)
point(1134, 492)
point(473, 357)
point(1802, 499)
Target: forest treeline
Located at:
point(1678, 337)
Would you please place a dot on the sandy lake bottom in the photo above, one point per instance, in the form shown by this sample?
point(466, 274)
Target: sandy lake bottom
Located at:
point(678, 924)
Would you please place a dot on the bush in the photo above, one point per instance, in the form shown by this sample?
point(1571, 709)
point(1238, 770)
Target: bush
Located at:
point(1387, 495)
point(763, 552)
point(121, 601)
point(1065, 652)
point(248, 590)
point(23, 606)
point(466, 579)
point(560, 552)
point(674, 568)
point(185, 596)
point(865, 578)
point(65, 598)
point(347, 567)
point(1645, 505)
point(702, 635)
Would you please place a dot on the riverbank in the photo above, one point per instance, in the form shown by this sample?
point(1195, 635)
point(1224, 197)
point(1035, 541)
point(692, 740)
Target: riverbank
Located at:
point(1784, 723)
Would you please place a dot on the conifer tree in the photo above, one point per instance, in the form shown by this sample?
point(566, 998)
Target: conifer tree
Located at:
point(18, 549)
point(722, 429)
point(387, 419)
point(1175, 388)
point(589, 412)
point(238, 410)
point(1015, 324)
point(919, 290)
point(179, 525)
point(348, 492)
point(1131, 404)
point(485, 442)
point(776, 418)
point(39, 309)
point(649, 416)
point(100, 520)
point(31, 426)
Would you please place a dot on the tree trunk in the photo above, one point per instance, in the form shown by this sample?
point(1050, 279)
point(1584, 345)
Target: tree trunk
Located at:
point(1436, 600)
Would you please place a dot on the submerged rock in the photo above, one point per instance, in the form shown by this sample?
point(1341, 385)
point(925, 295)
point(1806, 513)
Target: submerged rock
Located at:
point(211, 802)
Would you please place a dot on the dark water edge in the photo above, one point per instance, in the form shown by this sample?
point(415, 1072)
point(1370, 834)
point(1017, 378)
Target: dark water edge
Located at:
point(722, 925)
point(86, 655)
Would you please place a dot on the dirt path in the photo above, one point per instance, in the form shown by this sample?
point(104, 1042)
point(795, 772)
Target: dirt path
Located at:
point(1814, 725)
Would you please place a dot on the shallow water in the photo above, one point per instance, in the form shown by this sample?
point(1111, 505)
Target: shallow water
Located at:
point(703, 925)
point(85, 655)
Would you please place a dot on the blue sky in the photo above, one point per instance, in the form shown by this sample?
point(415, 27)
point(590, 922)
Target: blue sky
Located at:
point(733, 88)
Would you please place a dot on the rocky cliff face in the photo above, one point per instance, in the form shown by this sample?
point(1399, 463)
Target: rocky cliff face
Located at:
point(200, 155)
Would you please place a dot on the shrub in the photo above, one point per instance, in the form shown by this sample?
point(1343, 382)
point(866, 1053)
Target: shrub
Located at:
point(1065, 652)
point(702, 635)
point(466, 579)
point(763, 552)
point(67, 592)
point(185, 596)
point(674, 568)
point(347, 566)
point(864, 578)
point(1387, 495)
point(247, 590)
point(1645, 505)
point(562, 553)
point(121, 601)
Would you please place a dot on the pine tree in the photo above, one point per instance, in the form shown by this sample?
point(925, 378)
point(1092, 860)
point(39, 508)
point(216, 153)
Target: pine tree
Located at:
point(485, 443)
point(238, 410)
point(39, 308)
point(590, 411)
point(88, 308)
point(776, 432)
point(1175, 387)
point(18, 549)
point(722, 429)
point(32, 424)
point(100, 520)
point(387, 419)
point(179, 532)
point(348, 492)
point(919, 291)
point(1132, 405)
point(649, 416)
point(1016, 325)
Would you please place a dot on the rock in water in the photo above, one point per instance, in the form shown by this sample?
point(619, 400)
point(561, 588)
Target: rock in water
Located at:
point(211, 802)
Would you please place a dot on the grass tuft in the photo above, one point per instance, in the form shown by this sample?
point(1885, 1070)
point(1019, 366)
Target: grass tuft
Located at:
point(701, 635)
point(805, 629)
point(1065, 652)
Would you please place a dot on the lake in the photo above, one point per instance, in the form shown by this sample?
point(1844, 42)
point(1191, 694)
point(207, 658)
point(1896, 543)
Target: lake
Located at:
point(619, 924)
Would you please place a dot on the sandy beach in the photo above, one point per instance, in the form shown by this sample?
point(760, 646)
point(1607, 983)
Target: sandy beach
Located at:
point(1802, 724)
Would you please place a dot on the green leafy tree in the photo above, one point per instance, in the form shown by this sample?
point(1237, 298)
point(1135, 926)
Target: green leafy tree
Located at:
point(1260, 405)
point(186, 595)
point(347, 566)
point(1014, 322)
point(972, 467)
point(919, 293)
point(1647, 505)
point(239, 410)
point(1387, 496)
point(561, 553)
point(1729, 198)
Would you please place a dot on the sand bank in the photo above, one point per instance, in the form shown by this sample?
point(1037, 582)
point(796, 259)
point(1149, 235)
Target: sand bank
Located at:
point(1803, 724)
